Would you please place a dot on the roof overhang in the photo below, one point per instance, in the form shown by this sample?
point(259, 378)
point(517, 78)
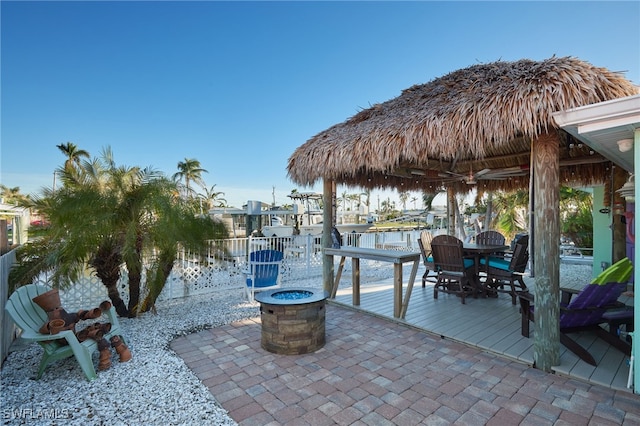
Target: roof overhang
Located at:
point(602, 125)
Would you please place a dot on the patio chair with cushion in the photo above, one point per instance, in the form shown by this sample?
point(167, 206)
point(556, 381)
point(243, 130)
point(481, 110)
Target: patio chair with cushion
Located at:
point(456, 274)
point(490, 238)
point(30, 317)
point(508, 272)
point(427, 258)
point(584, 312)
point(263, 272)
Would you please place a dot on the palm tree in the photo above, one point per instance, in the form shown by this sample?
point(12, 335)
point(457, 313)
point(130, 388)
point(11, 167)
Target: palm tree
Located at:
point(191, 171)
point(413, 200)
point(12, 195)
point(213, 198)
point(404, 197)
point(109, 218)
point(510, 212)
point(428, 197)
point(73, 154)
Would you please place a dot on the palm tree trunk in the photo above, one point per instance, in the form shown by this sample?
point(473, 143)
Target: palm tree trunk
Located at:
point(157, 280)
point(107, 265)
point(134, 266)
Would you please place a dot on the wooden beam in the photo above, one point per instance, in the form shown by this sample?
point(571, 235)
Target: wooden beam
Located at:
point(451, 215)
point(546, 176)
point(328, 221)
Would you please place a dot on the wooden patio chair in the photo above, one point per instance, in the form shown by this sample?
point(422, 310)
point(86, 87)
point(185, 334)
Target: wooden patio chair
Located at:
point(427, 258)
point(29, 317)
point(491, 238)
point(455, 272)
point(584, 312)
point(263, 272)
point(508, 272)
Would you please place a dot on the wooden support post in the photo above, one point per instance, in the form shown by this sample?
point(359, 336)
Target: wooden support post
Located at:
point(545, 154)
point(328, 221)
point(451, 215)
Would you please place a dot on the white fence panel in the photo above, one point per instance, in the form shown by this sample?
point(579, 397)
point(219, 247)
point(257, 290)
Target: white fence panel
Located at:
point(7, 326)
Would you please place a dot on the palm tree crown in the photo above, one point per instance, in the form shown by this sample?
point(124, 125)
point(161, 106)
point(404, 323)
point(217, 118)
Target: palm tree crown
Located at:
point(191, 171)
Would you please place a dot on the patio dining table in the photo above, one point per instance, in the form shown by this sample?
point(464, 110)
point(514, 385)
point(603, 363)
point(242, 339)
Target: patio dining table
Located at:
point(477, 251)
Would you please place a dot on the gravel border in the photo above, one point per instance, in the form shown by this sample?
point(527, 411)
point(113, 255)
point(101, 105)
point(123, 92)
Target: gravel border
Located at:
point(155, 387)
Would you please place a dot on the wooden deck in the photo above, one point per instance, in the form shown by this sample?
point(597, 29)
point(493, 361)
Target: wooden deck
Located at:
point(491, 324)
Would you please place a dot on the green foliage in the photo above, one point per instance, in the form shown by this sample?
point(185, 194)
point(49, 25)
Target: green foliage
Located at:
point(576, 211)
point(576, 218)
point(106, 217)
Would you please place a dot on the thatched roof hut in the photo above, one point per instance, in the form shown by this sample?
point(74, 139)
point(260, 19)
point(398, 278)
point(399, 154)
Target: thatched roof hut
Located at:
point(486, 125)
point(474, 124)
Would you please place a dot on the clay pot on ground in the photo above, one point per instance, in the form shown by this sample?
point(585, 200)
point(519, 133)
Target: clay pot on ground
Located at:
point(105, 355)
point(121, 349)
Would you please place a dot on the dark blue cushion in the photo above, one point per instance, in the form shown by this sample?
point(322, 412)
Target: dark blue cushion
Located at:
point(468, 263)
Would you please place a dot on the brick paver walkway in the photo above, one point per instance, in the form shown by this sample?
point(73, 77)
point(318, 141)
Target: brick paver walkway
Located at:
point(377, 372)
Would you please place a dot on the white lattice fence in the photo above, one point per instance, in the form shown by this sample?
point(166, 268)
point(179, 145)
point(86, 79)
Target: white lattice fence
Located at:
point(221, 270)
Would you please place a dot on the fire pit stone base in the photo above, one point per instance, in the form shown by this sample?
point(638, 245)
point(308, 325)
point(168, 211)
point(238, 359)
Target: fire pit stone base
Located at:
point(292, 325)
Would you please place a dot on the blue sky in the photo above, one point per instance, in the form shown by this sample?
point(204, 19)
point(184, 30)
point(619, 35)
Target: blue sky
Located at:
point(240, 85)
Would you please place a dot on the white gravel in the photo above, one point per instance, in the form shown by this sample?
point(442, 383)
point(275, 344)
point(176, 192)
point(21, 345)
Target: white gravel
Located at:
point(155, 387)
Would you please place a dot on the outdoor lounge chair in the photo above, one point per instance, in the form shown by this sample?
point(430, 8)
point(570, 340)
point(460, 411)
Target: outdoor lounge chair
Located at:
point(584, 312)
point(29, 317)
point(427, 258)
point(455, 272)
point(508, 272)
point(263, 272)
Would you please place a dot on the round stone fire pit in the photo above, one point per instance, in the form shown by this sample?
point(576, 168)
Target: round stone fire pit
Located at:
point(292, 320)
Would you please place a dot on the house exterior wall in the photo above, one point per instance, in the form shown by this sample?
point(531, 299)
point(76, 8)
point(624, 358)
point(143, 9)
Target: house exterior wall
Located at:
point(601, 233)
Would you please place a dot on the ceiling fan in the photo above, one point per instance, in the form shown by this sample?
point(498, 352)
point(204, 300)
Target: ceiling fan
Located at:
point(489, 174)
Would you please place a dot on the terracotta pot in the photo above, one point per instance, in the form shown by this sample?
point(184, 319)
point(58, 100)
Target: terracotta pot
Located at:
point(92, 314)
point(49, 300)
point(121, 349)
point(56, 326)
point(105, 355)
point(56, 313)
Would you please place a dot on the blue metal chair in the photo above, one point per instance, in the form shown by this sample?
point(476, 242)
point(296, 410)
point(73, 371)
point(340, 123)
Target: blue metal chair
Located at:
point(264, 271)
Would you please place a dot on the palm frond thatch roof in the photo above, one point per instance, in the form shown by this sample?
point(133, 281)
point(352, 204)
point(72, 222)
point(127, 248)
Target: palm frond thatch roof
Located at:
point(481, 118)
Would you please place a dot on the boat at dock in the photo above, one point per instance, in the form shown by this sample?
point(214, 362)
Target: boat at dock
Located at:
point(308, 218)
point(303, 217)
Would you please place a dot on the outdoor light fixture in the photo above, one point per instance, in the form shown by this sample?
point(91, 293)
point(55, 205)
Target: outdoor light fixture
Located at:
point(625, 145)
